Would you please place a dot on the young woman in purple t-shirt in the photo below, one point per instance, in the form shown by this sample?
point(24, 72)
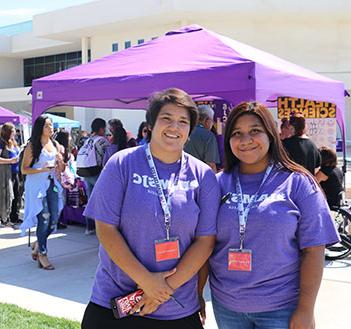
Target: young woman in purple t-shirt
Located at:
point(273, 225)
point(155, 209)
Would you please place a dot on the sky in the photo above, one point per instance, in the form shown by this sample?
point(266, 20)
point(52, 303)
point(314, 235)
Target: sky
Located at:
point(17, 11)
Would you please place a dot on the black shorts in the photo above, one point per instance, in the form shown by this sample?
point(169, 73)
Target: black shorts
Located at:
point(98, 317)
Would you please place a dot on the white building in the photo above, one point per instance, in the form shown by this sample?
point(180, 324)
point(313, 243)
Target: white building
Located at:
point(313, 34)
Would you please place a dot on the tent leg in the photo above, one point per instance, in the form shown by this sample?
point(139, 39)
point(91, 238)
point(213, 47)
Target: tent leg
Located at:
point(29, 238)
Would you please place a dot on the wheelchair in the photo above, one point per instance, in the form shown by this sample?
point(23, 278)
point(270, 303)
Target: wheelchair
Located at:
point(342, 217)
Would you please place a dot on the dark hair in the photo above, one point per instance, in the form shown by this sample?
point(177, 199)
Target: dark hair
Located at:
point(143, 124)
point(284, 123)
point(119, 134)
point(171, 96)
point(62, 137)
point(6, 131)
point(276, 150)
point(328, 156)
point(97, 124)
point(35, 138)
point(299, 124)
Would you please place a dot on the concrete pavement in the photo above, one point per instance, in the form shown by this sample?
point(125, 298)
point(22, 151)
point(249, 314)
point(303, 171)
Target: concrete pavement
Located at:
point(62, 292)
point(65, 291)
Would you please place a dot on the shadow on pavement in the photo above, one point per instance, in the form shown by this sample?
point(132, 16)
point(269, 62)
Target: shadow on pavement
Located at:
point(74, 255)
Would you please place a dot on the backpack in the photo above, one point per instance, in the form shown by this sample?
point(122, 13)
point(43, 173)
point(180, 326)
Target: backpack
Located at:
point(86, 159)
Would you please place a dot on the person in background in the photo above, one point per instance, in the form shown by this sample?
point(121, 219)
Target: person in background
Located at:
point(155, 208)
point(109, 137)
point(142, 133)
point(100, 144)
point(14, 151)
point(43, 192)
point(64, 139)
point(8, 175)
point(273, 225)
point(330, 176)
point(131, 141)
point(202, 142)
point(18, 137)
point(285, 129)
point(115, 124)
point(300, 147)
point(119, 139)
point(67, 177)
point(83, 137)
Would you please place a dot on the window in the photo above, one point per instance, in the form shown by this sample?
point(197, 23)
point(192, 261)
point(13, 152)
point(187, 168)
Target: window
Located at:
point(153, 38)
point(28, 61)
point(60, 57)
point(127, 44)
point(73, 55)
point(34, 68)
point(50, 69)
point(140, 41)
point(115, 47)
point(39, 60)
point(49, 59)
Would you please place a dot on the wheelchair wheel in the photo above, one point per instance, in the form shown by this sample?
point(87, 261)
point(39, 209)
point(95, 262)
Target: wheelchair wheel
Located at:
point(341, 249)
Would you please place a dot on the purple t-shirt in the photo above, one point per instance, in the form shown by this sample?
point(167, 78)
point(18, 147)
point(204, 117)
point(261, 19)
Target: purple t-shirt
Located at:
point(125, 196)
point(290, 214)
point(110, 150)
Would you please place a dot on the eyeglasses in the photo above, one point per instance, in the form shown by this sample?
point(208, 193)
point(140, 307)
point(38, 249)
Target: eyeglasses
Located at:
point(145, 130)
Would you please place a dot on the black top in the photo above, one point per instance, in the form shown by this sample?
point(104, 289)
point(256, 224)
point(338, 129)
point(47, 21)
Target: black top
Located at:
point(304, 152)
point(333, 185)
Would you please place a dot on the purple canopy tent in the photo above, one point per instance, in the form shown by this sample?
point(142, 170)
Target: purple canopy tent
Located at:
point(192, 58)
point(9, 116)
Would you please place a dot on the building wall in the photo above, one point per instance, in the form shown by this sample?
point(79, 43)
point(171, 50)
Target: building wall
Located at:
point(68, 110)
point(11, 72)
point(101, 44)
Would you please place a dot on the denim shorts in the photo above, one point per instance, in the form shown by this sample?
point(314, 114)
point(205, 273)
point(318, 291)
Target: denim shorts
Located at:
point(227, 319)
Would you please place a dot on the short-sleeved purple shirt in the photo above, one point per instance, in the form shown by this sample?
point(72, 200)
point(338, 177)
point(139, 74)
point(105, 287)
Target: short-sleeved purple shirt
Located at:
point(290, 214)
point(125, 196)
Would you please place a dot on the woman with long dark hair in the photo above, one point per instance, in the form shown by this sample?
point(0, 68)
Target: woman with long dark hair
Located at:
point(142, 133)
point(273, 225)
point(43, 192)
point(119, 139)
point(64, 138)
point(68, 176)
point(8, 174)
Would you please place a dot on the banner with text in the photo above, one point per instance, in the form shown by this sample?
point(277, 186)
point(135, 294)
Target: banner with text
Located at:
point(320, 118)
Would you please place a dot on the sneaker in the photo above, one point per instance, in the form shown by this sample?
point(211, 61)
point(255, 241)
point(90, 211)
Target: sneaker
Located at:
point(89, 232)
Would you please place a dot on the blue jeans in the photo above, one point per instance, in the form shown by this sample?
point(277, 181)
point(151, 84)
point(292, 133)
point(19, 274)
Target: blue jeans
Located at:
point(48, 217)
point(227, 319)
point(89, 184)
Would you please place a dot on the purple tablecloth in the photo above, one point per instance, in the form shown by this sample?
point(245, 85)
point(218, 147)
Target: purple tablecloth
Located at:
point(70, 214)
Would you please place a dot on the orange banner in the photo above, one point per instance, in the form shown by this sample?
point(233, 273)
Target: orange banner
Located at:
point(288, 106)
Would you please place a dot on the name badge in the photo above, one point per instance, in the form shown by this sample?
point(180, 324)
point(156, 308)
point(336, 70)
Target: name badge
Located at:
point(167, 249)
point(239, 260)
